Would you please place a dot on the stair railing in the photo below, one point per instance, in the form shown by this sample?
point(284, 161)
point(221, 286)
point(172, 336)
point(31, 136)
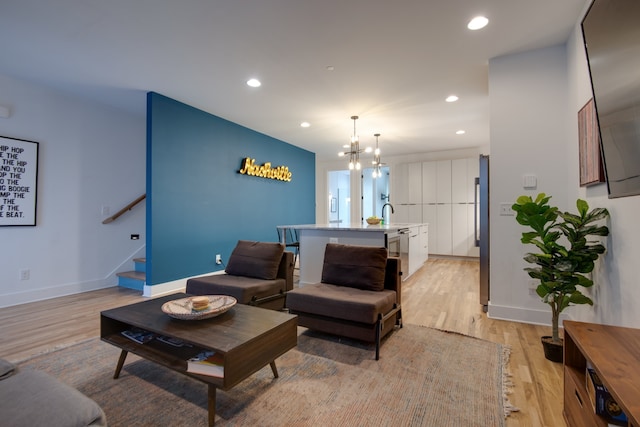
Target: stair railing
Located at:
point(125, 209)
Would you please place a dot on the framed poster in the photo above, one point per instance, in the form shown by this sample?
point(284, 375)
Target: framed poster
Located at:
point(591, 169)
point(18, 181)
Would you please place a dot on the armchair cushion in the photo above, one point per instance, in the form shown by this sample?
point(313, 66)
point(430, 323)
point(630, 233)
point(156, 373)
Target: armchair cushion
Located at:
point(242, 288)
point(255, 259)
point(361, 267)
point(341, 302)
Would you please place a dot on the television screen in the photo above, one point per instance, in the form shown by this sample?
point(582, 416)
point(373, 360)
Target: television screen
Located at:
point(611, 32)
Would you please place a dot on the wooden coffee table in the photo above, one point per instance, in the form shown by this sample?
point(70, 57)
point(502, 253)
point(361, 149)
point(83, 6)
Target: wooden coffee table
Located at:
point(248, 337)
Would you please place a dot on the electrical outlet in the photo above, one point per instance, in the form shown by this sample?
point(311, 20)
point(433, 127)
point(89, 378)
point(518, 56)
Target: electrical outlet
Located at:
point(25, 274)
point(505, 209)
point(105, 211)
point(333, 240)
point(218, 259)
point(532, 285)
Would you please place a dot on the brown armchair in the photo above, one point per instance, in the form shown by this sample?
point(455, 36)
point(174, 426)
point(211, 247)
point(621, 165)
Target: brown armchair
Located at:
point(358, 297)
point(258, 273)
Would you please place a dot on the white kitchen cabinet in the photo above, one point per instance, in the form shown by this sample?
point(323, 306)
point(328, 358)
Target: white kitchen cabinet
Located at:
point(459, 181)
point(443, 197)
point(424, 242)
point(400, 215)
point(459, 231)
point(415, 213)
point(429, 182)
point(448, 192)
point(406, 196)
point(414, 183)
point(463, 173)
point(430, 216)
point(415, 258)
point(444, 243)
point(399, 184)
point(443, 181)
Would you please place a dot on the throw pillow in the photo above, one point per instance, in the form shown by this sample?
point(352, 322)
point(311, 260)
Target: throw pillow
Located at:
point(361, 267)
point(255, 259)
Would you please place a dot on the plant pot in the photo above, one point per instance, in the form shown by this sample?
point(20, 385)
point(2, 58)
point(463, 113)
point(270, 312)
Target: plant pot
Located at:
point(552, 350)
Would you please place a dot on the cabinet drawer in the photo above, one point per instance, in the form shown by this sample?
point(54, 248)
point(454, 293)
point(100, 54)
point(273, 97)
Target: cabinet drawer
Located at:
point(577, 407)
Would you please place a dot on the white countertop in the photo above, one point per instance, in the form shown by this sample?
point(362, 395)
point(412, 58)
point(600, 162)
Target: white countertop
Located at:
point(353, 227)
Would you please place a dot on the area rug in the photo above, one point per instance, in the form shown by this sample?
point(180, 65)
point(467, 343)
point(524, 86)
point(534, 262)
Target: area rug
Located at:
point(425, 377)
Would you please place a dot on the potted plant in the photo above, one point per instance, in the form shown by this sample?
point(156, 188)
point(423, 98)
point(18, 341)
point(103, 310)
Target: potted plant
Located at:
point(565, 255)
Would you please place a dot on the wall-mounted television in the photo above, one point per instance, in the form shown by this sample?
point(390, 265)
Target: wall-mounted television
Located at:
point(611, 34)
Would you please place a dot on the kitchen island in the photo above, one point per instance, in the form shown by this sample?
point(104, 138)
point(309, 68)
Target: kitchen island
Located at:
point(405, 241)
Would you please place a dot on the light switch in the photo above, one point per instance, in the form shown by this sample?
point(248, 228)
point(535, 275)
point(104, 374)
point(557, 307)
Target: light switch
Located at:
point(529, 181)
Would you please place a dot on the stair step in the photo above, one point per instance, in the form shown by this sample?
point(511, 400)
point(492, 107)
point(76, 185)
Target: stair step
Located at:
point(132, 279)
point(137, 275)
point(140, 264)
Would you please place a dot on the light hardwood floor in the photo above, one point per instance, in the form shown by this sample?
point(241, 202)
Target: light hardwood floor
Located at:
point(443, 294)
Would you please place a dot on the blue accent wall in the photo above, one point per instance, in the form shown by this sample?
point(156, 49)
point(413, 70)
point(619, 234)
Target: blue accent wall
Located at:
point(198, 205)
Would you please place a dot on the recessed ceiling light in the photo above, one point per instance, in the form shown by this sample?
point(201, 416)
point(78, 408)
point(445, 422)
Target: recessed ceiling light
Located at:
point(451, 98)
point(254, 83)
point(460, 132)
point(305, 124)
point(330, 68)
point(477, 23)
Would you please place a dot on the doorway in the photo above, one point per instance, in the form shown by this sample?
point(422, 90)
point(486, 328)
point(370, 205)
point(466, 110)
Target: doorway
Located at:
point(339, 196)
point(375, 192)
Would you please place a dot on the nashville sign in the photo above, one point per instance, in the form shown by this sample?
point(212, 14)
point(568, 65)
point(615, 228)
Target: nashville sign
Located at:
point(249, 167)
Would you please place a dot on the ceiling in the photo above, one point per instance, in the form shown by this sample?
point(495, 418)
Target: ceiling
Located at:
point(394, 63)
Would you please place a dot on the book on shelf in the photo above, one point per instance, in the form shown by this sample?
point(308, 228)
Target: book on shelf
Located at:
point(602, 402)
point(207, 363)
point(172, 341)
point(138, 335)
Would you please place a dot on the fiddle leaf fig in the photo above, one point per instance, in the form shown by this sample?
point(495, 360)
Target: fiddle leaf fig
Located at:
point(566, 252)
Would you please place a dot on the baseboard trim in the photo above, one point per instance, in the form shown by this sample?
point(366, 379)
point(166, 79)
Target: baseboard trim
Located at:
point(171, 287)
point(42, 294)
point(522, 315)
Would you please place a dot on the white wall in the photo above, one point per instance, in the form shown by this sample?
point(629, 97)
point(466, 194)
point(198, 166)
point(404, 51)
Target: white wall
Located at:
point(529, 127)
point(617, 292)
point(90, 156)
point(535, 99)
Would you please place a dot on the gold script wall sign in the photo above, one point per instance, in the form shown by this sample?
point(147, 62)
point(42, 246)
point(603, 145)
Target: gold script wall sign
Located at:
point(249, 167)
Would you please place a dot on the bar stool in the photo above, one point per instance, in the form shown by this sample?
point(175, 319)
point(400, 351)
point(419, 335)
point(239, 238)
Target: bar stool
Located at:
point(291, 240)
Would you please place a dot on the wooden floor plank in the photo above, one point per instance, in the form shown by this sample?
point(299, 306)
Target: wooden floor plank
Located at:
point(443, 294)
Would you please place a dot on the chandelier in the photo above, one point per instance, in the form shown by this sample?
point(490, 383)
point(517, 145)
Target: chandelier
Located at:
point(377, 163)
point(354, 149)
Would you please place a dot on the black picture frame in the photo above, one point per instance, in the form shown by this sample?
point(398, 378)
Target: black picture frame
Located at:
point(18, 181)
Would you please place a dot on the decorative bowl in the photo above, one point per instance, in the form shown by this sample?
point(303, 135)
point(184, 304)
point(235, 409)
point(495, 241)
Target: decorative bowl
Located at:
point(182, 308)
point(373, 221)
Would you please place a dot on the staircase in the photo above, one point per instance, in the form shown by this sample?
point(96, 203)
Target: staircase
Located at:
point(134, 279)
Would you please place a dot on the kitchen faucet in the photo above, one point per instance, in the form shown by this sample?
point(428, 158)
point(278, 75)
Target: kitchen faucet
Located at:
point(383, 206)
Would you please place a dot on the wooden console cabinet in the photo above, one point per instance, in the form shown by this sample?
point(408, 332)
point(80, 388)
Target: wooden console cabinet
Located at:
point(614, 353)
